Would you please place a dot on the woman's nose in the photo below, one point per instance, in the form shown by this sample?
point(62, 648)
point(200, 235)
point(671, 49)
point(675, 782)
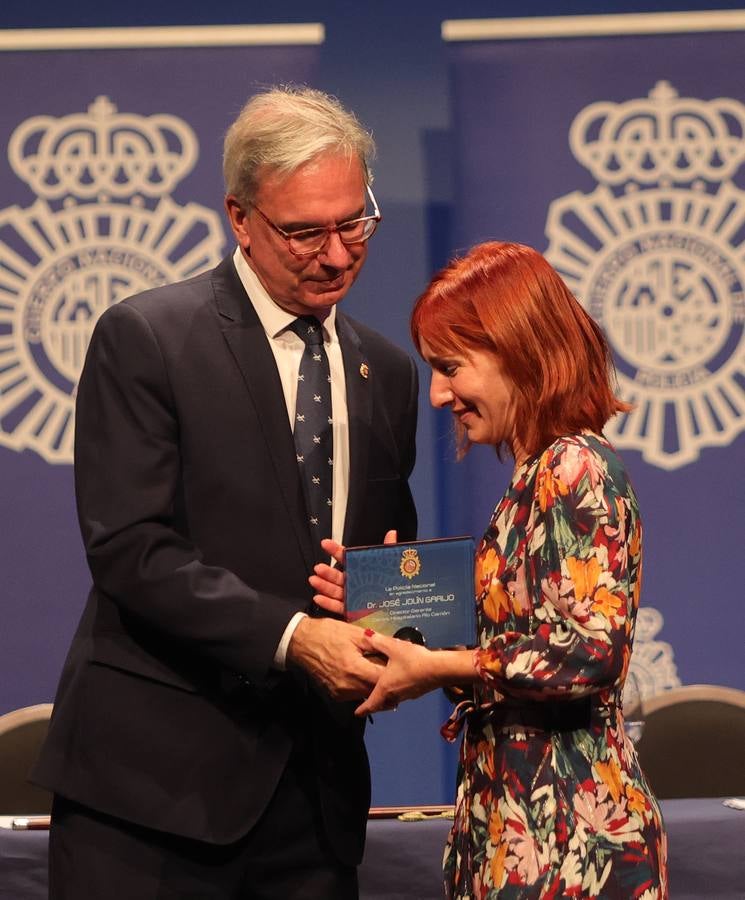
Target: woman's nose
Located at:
point(440, 393)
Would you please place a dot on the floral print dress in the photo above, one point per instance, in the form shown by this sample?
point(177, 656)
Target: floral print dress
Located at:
point(551, 801)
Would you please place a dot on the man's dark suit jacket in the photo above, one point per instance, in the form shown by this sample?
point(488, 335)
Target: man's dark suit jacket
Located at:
point(192, 514)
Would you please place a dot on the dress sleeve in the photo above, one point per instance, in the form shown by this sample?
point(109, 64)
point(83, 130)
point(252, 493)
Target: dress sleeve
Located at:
point(582, 561)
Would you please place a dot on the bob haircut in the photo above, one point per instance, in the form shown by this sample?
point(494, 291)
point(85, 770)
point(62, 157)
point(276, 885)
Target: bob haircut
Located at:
point(285, 127)
point(506, 299)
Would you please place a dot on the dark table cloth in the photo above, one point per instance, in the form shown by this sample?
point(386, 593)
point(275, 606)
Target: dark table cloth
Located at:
point(402, 859)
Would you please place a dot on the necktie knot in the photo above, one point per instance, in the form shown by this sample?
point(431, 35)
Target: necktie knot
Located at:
point(309, 330)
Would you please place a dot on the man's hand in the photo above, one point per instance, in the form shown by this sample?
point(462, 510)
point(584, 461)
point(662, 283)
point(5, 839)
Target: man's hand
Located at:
point(332, 653)
point(328, 581)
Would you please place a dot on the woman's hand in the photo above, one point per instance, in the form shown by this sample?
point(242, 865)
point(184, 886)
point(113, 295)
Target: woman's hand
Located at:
point(411, 671)
point(328, 581)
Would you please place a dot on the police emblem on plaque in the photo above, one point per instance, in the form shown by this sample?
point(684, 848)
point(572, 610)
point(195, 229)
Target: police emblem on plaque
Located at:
point(411, 565)
point(656, 256)
point(103, 227)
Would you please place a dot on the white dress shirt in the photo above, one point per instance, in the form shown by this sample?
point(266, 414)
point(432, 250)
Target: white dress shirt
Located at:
point(288, 349)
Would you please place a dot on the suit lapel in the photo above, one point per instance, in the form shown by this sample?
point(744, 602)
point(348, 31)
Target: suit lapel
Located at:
point(359, 385)
point(250, 348)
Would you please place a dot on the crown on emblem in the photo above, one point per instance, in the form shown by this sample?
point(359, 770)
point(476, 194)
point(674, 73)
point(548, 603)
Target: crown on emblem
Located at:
point(103, 153)
point(662, 138)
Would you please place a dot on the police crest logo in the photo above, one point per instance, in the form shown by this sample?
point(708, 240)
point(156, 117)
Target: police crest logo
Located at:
point(652, 668)
point(655, 254)
point(103, 227)
point(411, 565)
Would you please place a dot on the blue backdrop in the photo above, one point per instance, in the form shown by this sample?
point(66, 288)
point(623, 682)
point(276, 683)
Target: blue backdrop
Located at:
point(652, 240)
point(448, 174)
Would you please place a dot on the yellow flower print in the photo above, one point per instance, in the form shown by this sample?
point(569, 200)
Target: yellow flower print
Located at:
point(487, 662)
point(584, 574)
point(496, 827)
point(549, 487)
point(636, 540)
point(605, 603)
point(487, 565)
point(497, 865)
point(497, 601)
point(636, 800)
point(610, 775)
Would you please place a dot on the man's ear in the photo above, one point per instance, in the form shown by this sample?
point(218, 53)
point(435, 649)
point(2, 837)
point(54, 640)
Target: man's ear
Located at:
point(238, 218)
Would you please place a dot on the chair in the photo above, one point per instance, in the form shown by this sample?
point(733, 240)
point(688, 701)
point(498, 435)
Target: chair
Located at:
point(693, 742)
point(21, 734)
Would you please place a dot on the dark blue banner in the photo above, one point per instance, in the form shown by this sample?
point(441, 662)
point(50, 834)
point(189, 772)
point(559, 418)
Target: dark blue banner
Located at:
point(621, 158)
point(111, 183)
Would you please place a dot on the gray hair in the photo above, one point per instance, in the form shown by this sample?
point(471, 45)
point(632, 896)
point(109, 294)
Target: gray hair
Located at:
point(285, 127)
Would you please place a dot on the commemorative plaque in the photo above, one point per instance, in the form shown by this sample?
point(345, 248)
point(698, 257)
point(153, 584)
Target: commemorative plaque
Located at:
point(420, 591)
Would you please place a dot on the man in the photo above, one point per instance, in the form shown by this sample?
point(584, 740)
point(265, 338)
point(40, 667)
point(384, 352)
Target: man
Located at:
point(200, 746)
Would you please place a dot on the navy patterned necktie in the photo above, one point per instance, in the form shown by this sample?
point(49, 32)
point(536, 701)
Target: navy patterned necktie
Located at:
point(314, 441)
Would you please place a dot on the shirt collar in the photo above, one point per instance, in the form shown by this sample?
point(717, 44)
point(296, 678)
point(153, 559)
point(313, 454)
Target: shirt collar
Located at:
point(273, 318)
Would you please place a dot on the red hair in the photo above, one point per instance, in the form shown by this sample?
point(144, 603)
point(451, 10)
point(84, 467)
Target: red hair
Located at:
point(505, 298)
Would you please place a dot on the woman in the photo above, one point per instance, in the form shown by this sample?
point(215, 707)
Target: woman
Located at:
point(551, 801)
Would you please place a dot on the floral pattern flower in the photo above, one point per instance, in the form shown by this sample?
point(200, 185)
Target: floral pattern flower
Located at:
point(549, 806)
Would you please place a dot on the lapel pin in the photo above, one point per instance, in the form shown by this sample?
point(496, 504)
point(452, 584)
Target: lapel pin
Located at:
point(364, 370)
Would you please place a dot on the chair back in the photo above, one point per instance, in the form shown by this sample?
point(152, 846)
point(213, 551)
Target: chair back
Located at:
point(21, 734)
point(693, 742)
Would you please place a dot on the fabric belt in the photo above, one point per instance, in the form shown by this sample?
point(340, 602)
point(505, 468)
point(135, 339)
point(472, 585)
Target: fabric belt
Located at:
point(549, 716)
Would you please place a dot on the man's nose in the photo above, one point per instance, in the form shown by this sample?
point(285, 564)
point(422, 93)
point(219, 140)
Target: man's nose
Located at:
point(440, 394)
point(336, 253)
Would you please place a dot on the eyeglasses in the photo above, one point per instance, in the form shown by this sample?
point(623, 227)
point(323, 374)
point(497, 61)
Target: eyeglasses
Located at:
point(308, 241)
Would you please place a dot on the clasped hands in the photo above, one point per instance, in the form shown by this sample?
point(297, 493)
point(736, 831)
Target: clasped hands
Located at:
point(352, 663)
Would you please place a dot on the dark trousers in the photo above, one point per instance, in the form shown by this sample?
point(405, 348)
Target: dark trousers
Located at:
point(96, 857)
